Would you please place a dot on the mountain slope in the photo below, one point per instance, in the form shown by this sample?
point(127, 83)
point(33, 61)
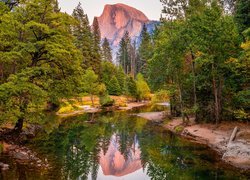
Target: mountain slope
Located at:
point(117, 19)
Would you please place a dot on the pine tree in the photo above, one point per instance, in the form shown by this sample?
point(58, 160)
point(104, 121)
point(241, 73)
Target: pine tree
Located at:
point(242, 16)
point(86, 41)
point(114, 87)
point(131, 87)
point(124, 58)
point(106, 50)
point(96, 32)
point(83, 37)
point(96, 51)
point(121, 77)
point(145, 51)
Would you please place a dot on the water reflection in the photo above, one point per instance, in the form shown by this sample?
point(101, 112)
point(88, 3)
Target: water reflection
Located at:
point(114, 163)
point(118, 146)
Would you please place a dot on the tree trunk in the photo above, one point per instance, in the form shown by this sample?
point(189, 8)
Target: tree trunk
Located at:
point(181, 102)
point(220, 96)
point(19, 125)
point(194, 84)
point(216, 101)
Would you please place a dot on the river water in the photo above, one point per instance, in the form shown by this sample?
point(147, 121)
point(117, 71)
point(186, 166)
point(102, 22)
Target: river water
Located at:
point(117, 146)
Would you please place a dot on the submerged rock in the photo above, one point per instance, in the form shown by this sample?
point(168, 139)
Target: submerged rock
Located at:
point(4, 167)
point(21, 156)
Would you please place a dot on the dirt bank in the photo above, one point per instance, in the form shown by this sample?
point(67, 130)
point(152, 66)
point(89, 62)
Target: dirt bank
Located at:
point(133, 105)
point(89, 109)
point(13, 147)
point(236, 153)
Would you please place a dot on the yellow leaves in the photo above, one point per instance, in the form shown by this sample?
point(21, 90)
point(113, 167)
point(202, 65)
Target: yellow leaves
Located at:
point(198, 54)
point(232, 61)
point(246, 46)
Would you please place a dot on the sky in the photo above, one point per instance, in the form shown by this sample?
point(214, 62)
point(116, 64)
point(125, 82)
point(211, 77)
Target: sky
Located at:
point(151, 8)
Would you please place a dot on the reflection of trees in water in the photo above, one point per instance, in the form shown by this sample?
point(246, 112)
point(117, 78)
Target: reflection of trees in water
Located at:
point(74, 148)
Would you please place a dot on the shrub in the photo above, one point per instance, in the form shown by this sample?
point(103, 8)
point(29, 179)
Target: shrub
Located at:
point(106, 101)
point(161, 96)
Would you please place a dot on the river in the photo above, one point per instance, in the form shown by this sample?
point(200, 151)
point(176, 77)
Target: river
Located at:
point(116, 146)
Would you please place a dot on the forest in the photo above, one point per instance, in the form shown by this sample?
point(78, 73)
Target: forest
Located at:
point(198, 56)
point(73, 107)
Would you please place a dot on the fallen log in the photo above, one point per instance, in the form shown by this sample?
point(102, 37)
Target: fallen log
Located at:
point(232, 137)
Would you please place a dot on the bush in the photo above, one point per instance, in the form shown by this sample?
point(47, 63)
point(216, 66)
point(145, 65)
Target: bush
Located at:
point(161, 96)
point(106, 101)
point(143, 90)
point(67, 108)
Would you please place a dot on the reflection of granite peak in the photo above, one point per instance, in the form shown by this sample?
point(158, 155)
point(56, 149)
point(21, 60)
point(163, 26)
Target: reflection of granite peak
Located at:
point(113, 162)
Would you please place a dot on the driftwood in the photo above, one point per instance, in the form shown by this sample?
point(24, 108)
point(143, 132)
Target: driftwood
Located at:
point(232, 137)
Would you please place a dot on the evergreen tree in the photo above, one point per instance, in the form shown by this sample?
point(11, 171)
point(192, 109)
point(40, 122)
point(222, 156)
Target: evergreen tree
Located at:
point(106, 50)
point(131, 87)
point(121, 77)
point(242, 15)
point(145, 51)
point(86, 41)
point(96, 32)
point(83, 37)
point(114, 87)
point(96, 50)
point(124, 58)
point(41, 58)
point(108, 71)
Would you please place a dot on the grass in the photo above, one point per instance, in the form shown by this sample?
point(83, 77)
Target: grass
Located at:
point(179, 129)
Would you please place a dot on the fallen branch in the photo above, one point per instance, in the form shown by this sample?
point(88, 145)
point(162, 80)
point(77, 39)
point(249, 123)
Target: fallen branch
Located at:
point(232, 137)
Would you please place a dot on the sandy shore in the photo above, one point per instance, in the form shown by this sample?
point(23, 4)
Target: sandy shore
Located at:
point(133, 105)
point(236, 153)
point(89, 109)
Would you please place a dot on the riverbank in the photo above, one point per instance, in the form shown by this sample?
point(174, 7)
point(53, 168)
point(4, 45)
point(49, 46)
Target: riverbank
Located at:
point(85, 106)
point(236, 153)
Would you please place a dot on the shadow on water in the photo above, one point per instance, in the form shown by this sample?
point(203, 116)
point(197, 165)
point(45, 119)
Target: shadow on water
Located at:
point(117, 146)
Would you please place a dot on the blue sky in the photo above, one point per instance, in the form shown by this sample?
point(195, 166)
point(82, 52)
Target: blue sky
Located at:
point(151, 8)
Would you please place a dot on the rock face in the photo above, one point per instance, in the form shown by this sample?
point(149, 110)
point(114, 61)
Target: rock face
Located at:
point(113, 163)
point(119, 18)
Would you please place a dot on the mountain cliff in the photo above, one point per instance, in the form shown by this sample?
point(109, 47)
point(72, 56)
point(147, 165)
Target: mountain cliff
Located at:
point(118, 18)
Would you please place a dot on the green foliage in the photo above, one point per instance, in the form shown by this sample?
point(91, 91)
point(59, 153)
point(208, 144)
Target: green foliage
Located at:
point(106, 101)
point(131, 87)
point(20, 97)
point(197, 57)
point(121, 77)
point(143, 90)
point(242, 16)
point(106, 50)
point(114, 87)
point(86, 41)
point(38, 59)
point(67, 107)
point(90, 83)
point(161, 96)
point(126, 55)
point(145, 52)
